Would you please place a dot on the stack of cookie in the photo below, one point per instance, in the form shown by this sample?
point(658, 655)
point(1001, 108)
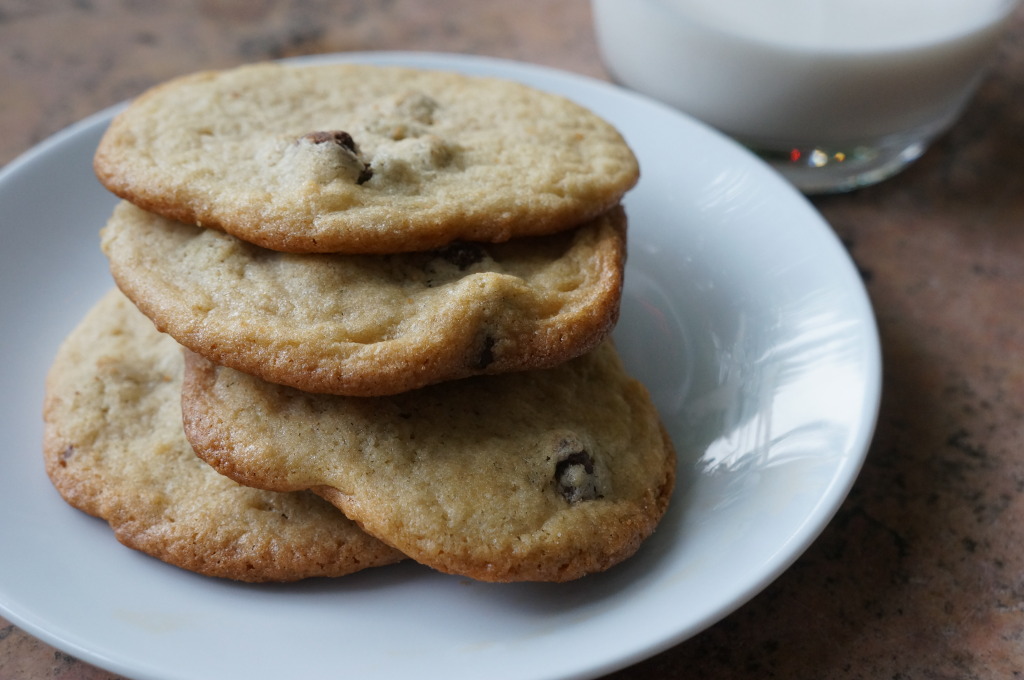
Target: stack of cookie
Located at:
point(393, 288)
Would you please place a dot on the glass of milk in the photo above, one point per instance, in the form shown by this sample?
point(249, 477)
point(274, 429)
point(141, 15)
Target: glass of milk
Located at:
point(836, 94)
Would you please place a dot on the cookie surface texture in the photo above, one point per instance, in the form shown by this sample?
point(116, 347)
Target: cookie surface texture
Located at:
point(533, 476)
point(372, 325)
point(114, 448)
point(363, 158)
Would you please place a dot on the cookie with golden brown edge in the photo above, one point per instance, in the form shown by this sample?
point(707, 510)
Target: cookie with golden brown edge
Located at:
point(114, 448)
point(363, 158)
point(542, 475)
point(371, 325)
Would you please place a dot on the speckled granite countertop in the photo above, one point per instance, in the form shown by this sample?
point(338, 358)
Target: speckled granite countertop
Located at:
point(921, 573)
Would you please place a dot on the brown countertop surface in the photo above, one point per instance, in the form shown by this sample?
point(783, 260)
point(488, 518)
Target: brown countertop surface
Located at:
point(921, 573)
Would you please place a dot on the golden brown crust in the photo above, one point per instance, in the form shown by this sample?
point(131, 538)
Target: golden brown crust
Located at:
point(435, 157)
point(542, 475)
point(114, 448)
point(371, 325)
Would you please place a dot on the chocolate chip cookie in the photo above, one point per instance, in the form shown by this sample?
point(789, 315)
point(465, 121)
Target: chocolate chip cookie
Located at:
point(541, 475)
point(371, 325)
point(114, 448)
point(362, 158)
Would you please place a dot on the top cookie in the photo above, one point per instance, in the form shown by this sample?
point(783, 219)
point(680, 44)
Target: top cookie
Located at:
point(363, 159)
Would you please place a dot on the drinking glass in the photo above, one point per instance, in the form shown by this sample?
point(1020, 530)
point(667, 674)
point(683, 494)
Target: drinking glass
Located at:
point(834, 94)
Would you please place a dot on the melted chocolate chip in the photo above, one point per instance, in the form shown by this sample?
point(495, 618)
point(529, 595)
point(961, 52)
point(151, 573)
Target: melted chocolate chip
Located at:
point(339, 137)
point(577, 458)
point(345, 141)
point(574, 477)
point(365, 175)
point(486, 356)
point(462, 255)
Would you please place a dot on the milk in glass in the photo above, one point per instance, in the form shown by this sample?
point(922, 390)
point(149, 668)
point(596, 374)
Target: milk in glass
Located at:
point(792, 78)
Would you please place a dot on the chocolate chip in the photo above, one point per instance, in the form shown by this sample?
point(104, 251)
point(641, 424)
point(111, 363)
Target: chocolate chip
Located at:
point(365, 175)
point(486, 356)
point(345, 141)
point(339, 137)
point(574, 476)
point(462, 255)
point(576, 458)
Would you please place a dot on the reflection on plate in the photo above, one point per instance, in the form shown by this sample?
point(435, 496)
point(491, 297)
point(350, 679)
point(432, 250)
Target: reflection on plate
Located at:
point(742, 313)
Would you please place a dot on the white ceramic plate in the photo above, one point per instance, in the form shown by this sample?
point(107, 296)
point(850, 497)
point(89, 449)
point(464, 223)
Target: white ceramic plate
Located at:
point(742, 313)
